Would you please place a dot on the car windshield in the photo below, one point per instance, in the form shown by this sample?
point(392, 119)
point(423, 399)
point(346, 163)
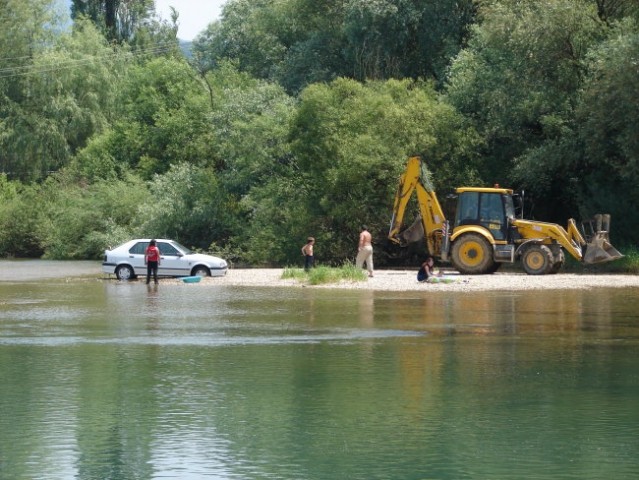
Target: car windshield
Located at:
point(184, 250)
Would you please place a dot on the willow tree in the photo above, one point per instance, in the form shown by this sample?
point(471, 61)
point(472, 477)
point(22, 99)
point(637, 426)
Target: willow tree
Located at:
point(117, 19)
point(27, 30)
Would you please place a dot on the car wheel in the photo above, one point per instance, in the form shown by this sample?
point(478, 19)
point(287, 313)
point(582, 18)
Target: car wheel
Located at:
point(124, 272)
point(201, 271)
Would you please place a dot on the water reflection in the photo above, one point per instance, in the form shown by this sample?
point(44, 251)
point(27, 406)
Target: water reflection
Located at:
point(117, 380)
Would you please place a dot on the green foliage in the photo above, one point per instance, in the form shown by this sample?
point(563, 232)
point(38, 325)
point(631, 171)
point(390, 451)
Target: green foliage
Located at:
point(164, 118)
point(81, 221)
point(299, 42)
point(326, 275)
point(607, 117)
point(351, 142)
point(278, 130)
point(295, 273)
point(404, 39)
point(118, 20)
point(519, 77)
point(185, 204)
point(20, 217)
point(609, 109)
point(64, 220)
point(68, 96)
point(628, 264)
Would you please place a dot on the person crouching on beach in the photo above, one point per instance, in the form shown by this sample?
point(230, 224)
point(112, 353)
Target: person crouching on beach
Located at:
point(427, 270)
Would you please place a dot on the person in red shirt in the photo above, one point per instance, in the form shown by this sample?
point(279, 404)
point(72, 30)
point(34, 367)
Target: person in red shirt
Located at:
point(152, 261)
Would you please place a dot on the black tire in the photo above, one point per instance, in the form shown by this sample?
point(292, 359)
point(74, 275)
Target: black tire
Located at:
point(496, 266)
point(559, 260)
point(537, 260)
point(472, 255)
point(124, 272)
point(201, 271)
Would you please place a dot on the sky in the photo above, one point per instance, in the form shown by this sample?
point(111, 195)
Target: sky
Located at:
point(195, 15)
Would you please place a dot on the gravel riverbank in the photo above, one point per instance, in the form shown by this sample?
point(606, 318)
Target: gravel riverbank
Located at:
point(384, 280)
point(405, 280)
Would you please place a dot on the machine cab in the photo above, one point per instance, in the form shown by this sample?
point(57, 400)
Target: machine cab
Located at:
point(491, 208)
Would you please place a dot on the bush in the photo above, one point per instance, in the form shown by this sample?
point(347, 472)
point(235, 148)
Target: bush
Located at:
point(324, 275)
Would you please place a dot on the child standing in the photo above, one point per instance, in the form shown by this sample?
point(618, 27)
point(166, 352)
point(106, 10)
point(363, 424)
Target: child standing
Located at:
point(307, 251)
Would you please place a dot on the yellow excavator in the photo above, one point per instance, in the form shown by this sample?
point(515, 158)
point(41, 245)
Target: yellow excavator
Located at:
point(486, 232)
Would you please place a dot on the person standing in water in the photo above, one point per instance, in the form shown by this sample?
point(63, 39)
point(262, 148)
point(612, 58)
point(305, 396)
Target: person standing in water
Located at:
point(152, 261)
point(365, 250)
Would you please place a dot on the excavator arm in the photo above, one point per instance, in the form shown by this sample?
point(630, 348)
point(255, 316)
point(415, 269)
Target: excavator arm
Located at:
point(431, 222)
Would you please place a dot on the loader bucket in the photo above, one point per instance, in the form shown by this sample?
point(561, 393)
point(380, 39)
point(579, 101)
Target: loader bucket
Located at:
point(599, 248)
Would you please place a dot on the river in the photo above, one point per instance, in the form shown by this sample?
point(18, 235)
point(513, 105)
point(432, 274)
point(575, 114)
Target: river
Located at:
point(111, 380)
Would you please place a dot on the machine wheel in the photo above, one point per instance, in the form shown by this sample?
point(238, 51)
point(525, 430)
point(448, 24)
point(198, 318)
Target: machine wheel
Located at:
point(124, 272)
point(201, 271)
point(472, 255)
point(559, 260)
point(537, 260)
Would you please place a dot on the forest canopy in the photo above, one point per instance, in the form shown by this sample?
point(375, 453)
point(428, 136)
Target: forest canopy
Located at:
point(290, 118)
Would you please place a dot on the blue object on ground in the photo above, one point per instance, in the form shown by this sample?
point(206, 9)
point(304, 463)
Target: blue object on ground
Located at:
point(194, 279)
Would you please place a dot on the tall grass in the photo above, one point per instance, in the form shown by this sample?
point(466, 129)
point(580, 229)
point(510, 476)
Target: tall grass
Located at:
point(628, 264)
point(322, 275)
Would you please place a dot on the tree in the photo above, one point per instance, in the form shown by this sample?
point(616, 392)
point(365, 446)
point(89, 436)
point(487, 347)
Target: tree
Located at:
point(164, 118)
point(299, 42)
point(65, 95)
point(78, 221)
point(186, 204)
point(247, 34)
point(117, 19)
point(351, 142)
point(607, 118)
point(20, 216)
point(405, 38)
point(518, 82)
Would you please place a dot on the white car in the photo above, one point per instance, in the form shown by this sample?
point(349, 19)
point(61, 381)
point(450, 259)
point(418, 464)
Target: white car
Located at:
point(127, 261)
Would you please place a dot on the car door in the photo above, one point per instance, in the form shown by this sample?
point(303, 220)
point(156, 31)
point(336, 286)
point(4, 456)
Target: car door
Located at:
point(172, 262)
point(136, 257)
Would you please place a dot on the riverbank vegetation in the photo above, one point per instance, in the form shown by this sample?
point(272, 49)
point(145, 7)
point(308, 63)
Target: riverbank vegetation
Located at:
point(324, 274)
point(292, 118)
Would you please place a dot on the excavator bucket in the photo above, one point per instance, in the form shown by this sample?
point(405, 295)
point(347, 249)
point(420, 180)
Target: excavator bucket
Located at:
point(414, 233)
point(598, 246)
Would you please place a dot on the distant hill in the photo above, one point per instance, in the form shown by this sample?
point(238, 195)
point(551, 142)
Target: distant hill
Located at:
point(186, 47)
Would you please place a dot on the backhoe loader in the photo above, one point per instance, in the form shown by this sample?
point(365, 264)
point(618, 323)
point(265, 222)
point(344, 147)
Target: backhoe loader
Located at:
point(486, 233)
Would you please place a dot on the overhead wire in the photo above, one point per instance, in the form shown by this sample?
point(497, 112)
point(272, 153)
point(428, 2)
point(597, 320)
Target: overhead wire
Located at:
point(31, 69)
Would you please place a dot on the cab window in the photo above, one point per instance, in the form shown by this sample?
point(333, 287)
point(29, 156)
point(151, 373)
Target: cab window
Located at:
point(492, 215)
point(467, 208)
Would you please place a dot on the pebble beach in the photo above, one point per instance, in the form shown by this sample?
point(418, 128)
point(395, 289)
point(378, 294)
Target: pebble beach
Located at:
point(405, 280)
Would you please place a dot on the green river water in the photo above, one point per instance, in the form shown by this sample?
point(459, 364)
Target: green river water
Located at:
point(101, 379)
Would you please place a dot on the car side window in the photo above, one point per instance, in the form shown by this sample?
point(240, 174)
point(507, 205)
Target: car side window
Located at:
point(167, 249)
point(139, 248)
